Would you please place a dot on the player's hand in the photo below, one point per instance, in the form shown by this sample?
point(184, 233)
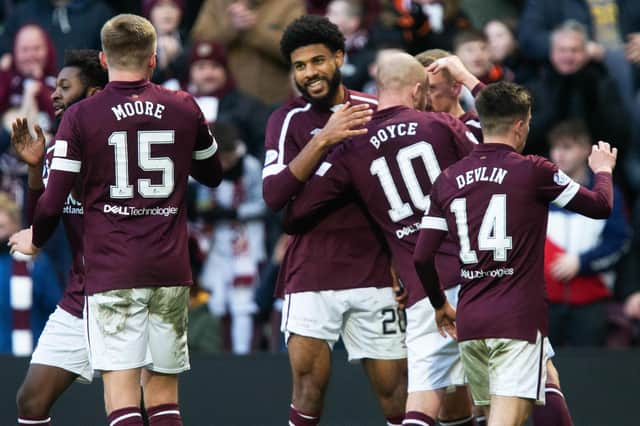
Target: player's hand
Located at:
point(565, 267)
point(241, 16)
point(21, 242)
point(632, 48)
point(603, 157)
point(456, 68)
point(345, 123)
point(632, 306)
point(29, 149)
point(399, 290)
point(445, 319)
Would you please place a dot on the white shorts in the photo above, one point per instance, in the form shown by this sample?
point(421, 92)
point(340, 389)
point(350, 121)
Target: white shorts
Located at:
point(368, 319)
point(505, 367)
point(433, 360)
point(139, 327)
point(63, 344)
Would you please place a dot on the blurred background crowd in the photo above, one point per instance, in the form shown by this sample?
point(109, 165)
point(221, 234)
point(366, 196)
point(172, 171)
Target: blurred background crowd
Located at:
point(579, 58)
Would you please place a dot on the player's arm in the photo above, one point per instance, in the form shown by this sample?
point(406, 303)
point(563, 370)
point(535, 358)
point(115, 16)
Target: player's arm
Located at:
point(330, 183)
point(205, 164)
point(459, 72)
point(596, 203)
point(433, 230)
point(30, 150)
point(286, 169)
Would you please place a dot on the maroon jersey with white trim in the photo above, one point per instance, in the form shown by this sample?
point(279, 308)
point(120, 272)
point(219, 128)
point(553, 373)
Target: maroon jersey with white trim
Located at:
point(133, 145)
point(472, 121)
point(495, 204)
point(73, 299)
point(390, 169)
point(342, 250)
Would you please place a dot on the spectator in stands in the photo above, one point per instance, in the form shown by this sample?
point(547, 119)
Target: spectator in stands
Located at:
point(613, 35)
point(251, 34)
point(472, 47)
point(504, 50)
point(371, 10)
point(573, 86)
point(29, 289)
point(25, 91)
point(215, 91)
point(166, 15)
point(581, 254)
point(235, 210)
point(71, 24)
point(348, 17)
point(420, 24)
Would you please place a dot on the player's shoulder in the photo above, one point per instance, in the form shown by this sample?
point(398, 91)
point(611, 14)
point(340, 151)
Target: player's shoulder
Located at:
point(356, 97)
point(288, 110)
point(174, 97)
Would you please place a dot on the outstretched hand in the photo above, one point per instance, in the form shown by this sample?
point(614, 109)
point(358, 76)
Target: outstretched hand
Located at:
point(603, 157)
point(29, 149)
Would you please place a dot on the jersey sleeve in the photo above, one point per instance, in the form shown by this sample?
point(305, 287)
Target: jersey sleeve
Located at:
point(205, 164)
point(330, 182)
point(554, 186)
point(433, 230)
point(279, 185)
point(65, 167)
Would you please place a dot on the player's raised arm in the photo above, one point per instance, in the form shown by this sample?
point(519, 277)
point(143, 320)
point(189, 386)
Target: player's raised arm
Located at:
point(458, 71)
point(287, 168)
point(65, 168)
point(566, 193)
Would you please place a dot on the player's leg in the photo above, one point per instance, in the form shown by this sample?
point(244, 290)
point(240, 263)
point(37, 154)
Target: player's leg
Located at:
point(310, 360)
point(168, 314)
point(42, 386)
point(117, 324)
point(555, 412)
point(434, 369)
point(311, 323)
point(389, 382)
point(517, 371)
point(60, 357)
point(474, 355)
point(374, 332)
point(509, 410)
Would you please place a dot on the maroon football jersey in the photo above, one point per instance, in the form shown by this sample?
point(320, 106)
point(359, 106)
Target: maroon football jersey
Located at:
point(391, 169)
point(342, 250)
point(73, 298)
point(495, 203)
point(472, 121)
point(133, 145)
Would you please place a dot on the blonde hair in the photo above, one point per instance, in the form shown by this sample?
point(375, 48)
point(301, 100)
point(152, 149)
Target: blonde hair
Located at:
point(10, 208)
point(398, 70)
point(428, 57)
point(128, 41)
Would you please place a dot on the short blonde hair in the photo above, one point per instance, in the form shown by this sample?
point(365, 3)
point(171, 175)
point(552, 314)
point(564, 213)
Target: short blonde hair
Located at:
point(428, 57)
point(128, 41)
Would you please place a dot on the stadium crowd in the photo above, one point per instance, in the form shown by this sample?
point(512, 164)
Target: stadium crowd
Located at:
point(580, 62)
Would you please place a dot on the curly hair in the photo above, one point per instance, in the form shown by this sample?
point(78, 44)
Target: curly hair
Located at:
point(87, 61)
point(310, 29)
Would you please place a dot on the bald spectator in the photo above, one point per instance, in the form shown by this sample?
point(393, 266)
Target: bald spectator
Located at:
point(575, 87)
point(251, 35)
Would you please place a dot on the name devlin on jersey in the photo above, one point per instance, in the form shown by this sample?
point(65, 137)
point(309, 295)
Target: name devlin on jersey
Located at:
point(134, 211)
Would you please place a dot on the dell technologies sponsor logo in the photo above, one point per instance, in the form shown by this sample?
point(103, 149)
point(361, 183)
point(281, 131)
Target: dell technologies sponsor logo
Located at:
point(134, 211)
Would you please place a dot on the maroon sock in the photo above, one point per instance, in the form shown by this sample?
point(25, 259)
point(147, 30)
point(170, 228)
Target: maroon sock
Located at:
point(129, 416)
point(33, 421)
point(164, 415)
point(298, 418)
point(395, 420)
point(555, 412)
point(481, 421)
point(417, 418)
point(464, 421)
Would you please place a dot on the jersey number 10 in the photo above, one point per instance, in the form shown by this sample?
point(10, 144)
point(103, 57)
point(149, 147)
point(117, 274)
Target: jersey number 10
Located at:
point(122, 188)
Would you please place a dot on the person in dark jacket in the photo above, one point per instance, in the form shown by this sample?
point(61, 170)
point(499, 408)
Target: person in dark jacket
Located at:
point(214, 89)
point(573, 86)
